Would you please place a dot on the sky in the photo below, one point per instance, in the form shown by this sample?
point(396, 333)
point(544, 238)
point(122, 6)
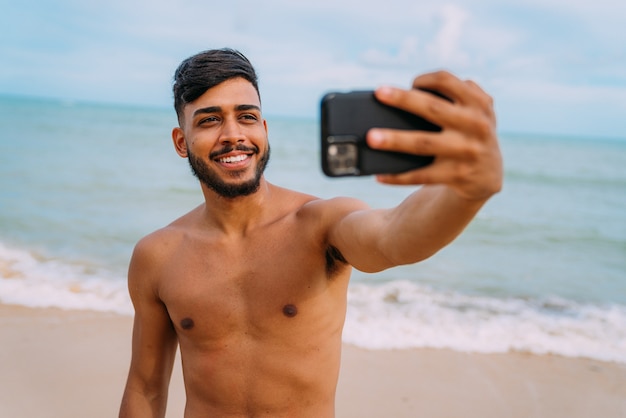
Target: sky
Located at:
point(554, 67)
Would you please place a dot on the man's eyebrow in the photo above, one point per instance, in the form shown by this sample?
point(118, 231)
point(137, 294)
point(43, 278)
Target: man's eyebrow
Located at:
point(248, 107)
point(218, 109)
point(210, 109)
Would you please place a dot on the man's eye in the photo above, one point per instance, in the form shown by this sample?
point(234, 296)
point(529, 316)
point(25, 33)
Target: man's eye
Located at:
point(209, 119)
point(249, 117)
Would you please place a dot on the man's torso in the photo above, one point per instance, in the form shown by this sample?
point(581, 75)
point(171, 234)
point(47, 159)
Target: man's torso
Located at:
point(258, 315)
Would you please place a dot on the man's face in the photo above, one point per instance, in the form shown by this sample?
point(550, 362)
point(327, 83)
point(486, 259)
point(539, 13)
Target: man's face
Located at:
point(225, 138)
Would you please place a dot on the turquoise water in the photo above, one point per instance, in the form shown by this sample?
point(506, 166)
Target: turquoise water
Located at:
point(541, 269)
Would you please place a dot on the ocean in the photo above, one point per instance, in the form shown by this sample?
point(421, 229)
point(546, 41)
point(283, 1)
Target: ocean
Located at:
point(542, 269)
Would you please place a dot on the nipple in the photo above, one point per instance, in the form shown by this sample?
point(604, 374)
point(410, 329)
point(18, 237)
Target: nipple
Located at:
point(290, 310)
point(186, 323)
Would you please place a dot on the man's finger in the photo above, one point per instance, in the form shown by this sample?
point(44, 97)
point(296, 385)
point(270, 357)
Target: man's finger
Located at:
point(421, 143)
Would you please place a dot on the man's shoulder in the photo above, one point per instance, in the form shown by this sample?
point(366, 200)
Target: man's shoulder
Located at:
point(314, 211)
point(332, 208)
point(304, 204)
point(164, 239)
point(154, 245)
point(171, 231)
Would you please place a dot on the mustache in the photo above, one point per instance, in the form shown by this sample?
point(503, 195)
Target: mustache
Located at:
point(230, 148)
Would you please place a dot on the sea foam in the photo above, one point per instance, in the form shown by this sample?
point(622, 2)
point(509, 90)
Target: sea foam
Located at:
point(394, 315)
point(31, 280)
point(402, 315)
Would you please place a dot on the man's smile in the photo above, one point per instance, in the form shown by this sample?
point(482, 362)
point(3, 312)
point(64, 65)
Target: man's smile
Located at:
point(233, 159)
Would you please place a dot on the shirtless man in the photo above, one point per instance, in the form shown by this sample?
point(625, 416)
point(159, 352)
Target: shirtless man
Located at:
point(252, 284)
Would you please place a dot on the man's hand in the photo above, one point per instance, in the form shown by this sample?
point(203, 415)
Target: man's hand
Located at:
point(467, 156)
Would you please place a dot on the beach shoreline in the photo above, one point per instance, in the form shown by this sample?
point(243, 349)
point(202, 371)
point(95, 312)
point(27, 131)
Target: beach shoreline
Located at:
point(64, 363)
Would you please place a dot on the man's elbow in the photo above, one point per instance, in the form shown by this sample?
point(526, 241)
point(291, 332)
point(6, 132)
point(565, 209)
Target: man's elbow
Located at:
point(143, 402)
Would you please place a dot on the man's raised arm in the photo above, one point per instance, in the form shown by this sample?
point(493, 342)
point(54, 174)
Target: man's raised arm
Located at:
point(466, 172)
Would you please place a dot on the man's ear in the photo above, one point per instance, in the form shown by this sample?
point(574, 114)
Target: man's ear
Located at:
point(178, 137)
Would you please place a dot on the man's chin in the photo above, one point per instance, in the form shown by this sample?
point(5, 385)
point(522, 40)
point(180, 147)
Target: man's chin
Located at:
point(231, 190)
point(238, 175)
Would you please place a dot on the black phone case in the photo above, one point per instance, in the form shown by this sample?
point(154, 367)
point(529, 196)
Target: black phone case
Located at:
point(346, 118)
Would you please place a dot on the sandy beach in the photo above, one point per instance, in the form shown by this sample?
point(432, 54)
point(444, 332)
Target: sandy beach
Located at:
point(69, 364)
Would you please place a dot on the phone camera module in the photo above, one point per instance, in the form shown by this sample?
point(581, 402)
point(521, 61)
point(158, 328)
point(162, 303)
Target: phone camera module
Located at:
point(342, 159)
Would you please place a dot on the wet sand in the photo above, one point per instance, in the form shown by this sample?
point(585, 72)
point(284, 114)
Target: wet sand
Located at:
point(64, 364)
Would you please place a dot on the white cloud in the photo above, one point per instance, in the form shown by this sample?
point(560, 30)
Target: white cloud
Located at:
point(446, 48)
point(127, 51)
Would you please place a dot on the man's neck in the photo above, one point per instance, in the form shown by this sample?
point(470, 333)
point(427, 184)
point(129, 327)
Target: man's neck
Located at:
point(237, 215)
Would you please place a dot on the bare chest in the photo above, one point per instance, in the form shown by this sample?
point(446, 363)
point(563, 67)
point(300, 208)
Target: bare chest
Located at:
point(266, 285)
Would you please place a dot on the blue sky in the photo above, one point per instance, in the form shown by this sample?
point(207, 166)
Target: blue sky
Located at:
point(553, 66)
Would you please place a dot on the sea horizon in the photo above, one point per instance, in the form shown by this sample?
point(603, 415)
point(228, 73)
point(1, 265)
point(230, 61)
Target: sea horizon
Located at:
point(311, 118)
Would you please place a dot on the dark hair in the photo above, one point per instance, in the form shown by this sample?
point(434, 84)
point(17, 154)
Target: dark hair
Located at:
point(205, 70)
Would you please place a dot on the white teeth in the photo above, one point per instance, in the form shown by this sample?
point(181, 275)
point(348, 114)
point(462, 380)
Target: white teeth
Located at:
point(234, 159)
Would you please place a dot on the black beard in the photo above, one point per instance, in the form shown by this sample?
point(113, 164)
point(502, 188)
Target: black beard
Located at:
point(209, 178)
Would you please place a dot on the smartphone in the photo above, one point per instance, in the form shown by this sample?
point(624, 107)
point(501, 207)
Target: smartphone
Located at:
point(346, 118)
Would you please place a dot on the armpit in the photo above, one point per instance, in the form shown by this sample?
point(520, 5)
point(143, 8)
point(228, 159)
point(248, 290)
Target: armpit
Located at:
point(334, 261)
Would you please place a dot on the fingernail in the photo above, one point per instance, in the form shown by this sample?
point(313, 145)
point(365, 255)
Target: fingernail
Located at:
point(375, 137)
point(384, 91)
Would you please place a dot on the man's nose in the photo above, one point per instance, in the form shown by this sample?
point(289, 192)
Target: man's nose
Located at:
point(231, 132)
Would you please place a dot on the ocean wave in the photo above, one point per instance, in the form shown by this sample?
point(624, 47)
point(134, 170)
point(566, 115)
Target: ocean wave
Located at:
point(33, 280)
point(402, 315)
point(391, 315)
